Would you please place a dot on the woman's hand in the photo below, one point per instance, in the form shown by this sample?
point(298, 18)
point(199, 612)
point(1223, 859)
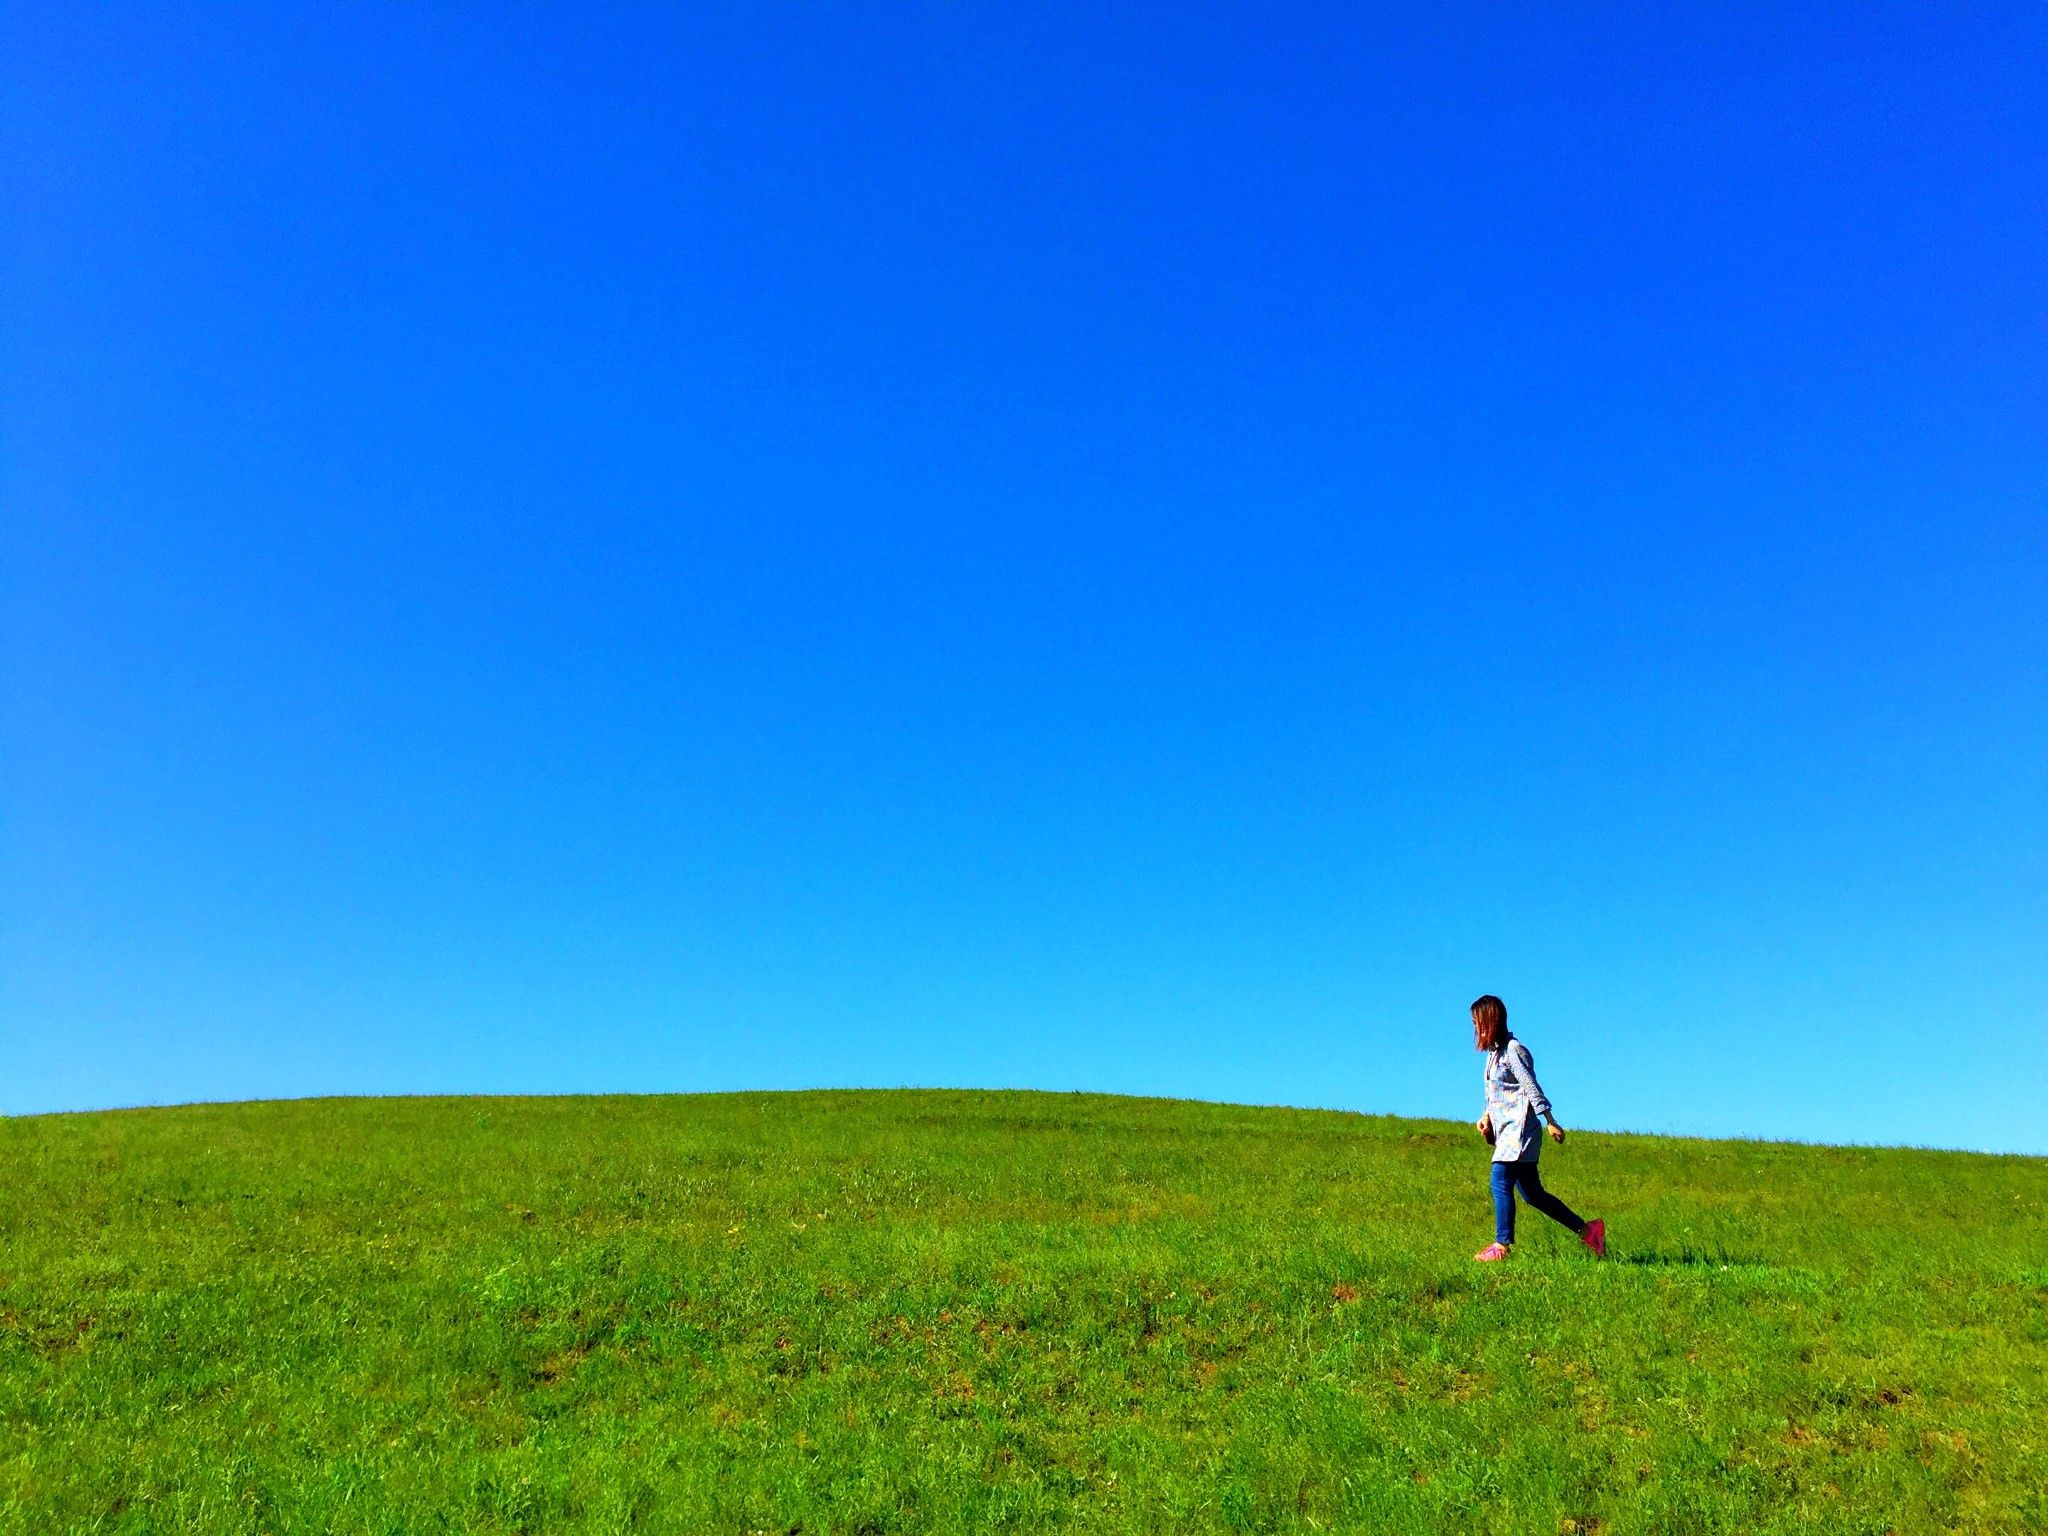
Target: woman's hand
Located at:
point(1554, 1131)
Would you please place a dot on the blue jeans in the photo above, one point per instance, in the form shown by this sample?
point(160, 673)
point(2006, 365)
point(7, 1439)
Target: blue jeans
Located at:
point(1505, 1177)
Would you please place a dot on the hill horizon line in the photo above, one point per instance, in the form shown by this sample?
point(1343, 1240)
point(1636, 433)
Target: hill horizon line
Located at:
point(902, 1090)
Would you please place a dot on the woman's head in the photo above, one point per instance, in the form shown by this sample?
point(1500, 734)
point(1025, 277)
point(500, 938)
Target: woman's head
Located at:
point(1489, 1023)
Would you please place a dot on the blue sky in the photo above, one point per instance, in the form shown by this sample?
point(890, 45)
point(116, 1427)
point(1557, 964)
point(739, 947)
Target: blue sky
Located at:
point(1152, 550)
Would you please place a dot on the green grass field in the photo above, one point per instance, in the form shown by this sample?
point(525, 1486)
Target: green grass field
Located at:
point(907, 1312)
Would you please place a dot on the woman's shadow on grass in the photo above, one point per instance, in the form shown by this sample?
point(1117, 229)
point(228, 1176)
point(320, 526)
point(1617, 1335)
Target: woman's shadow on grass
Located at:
point(1687, 1258)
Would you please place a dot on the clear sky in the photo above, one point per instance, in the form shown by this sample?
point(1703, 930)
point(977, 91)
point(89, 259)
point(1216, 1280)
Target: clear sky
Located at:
point(1152, 549)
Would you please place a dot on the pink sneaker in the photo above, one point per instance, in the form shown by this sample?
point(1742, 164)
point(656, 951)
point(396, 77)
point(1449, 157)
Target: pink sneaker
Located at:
point(1595, 1237)
point(1492, 1253)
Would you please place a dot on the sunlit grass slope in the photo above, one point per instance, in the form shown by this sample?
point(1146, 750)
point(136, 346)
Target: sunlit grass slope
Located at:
point(954, 1312)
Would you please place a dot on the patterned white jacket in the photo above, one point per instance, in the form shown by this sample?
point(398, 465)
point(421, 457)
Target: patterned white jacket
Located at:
point(1515, 1103)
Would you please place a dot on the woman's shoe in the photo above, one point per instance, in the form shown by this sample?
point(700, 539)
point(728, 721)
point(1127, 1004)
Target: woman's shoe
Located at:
point(1595, 1237)
point(1492, 1253)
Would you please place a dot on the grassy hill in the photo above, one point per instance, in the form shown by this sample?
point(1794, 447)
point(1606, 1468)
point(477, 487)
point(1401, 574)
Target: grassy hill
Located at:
point(954, 1312)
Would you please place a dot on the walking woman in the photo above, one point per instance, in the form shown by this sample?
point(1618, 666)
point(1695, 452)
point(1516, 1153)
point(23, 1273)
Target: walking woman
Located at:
point(1514, 1100)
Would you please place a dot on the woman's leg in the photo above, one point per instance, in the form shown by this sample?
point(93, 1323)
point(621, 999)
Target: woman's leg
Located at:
point(1503, 1203)
point(1544, 1201)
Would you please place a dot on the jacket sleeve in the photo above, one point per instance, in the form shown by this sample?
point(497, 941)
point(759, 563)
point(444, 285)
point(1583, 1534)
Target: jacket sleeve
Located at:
point(1525, 1069)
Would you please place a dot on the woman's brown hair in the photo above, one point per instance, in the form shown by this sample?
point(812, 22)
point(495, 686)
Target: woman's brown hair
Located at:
point(1489, 1023)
